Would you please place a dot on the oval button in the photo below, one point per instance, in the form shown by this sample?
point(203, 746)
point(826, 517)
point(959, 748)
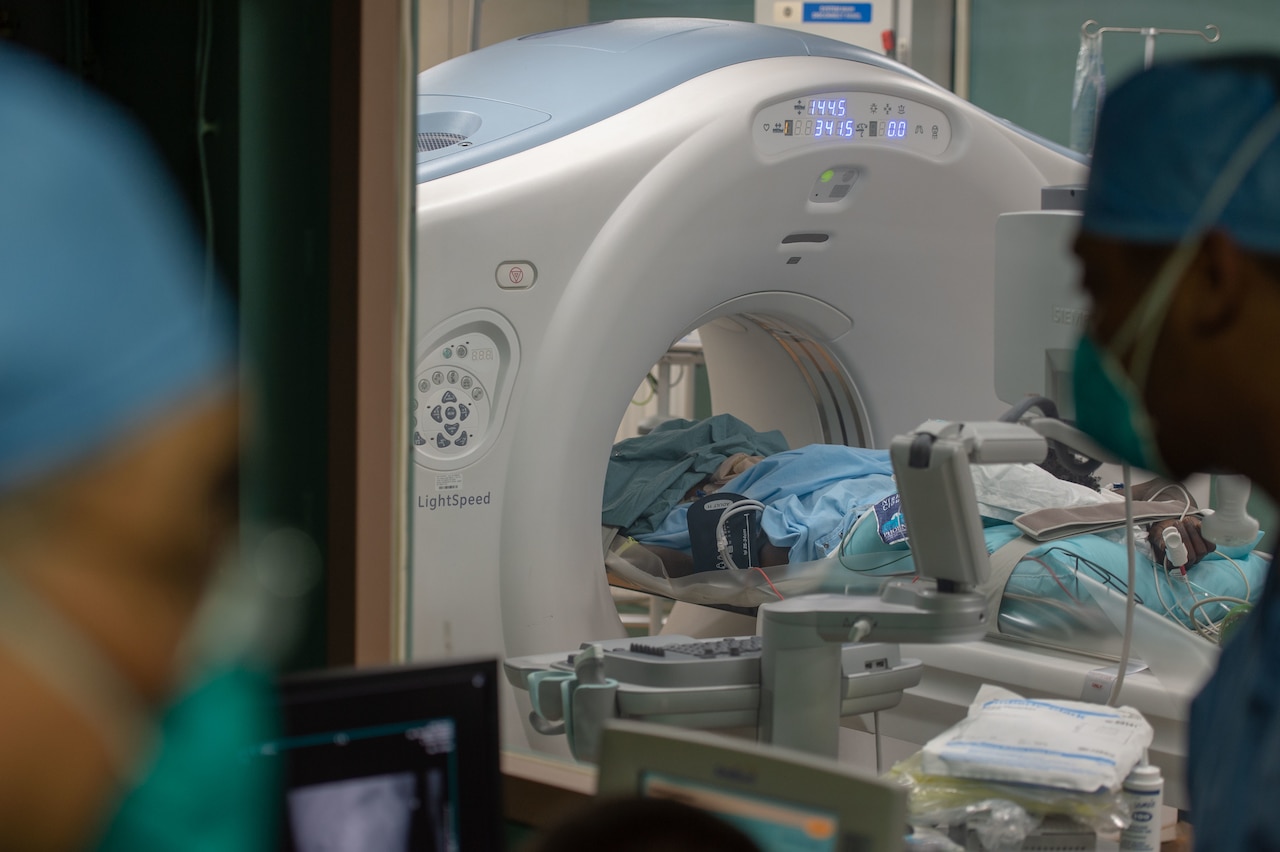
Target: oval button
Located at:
point(516, 275)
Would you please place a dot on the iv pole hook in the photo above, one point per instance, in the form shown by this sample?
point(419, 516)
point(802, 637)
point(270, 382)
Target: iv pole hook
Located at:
point(1211, 34)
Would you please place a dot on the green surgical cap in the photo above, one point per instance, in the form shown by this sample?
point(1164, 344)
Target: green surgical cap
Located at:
point(1166, 134)
point(102, 318)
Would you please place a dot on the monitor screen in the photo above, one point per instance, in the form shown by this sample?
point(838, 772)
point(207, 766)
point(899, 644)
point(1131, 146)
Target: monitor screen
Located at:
point(783, 800)
point(403, 758)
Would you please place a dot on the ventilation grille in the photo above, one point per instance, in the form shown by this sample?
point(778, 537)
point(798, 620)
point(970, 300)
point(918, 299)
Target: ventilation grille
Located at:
point(436, 140)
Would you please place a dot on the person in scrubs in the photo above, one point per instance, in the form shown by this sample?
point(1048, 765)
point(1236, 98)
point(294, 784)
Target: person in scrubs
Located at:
point(119, 426)
point(1178, 372)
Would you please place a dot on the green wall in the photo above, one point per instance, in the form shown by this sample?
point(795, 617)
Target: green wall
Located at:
point(733, 10)
point(1024, 51)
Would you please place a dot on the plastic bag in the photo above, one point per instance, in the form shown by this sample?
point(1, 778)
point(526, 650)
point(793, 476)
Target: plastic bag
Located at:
point(999, 825)
point(1088, 92)
point(923, 839)
point(937, 799)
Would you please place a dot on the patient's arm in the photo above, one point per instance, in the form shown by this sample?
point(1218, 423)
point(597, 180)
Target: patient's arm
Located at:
point(677, 563)
point(771, 554)
point(1164, 489)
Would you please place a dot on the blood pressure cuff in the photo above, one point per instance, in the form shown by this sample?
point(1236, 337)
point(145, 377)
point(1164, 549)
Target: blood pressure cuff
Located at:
point(1051, 524)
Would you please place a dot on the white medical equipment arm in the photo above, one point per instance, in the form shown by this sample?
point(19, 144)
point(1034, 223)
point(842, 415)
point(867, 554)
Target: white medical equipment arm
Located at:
point(1230, 524)
point(931, 466)
point(800, 664)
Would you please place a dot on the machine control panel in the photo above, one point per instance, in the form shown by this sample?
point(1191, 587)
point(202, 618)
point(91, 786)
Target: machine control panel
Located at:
point(851, 118)
point(716, 682)
point(450, 407)
point(686, 663)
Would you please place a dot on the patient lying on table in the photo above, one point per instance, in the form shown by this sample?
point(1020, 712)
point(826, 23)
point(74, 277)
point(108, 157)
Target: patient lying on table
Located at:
point(836, 507)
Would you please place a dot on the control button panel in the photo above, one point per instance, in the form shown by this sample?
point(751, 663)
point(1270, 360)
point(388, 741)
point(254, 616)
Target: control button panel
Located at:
point(450, 388)
point(860, 119)
point(833, 184)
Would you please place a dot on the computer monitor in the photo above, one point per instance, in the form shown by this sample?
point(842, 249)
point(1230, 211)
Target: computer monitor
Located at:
point(786, 801)
point(402, 759)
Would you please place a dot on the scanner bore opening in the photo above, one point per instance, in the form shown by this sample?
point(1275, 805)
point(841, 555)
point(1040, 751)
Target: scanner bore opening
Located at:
point(764, 369)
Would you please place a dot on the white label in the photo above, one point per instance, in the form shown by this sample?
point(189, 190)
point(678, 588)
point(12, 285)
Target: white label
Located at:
point(788, 13)
point(1098, 682)
point(449, 482)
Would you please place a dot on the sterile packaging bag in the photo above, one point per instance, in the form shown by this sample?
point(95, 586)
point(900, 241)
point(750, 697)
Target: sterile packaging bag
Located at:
point(1071, 745)
point(1088, 92)
point(940, 800)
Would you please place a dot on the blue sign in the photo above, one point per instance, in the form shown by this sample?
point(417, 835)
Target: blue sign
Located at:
point(837, 13)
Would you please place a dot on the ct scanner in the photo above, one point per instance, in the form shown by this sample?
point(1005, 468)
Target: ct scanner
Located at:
point(585, 197)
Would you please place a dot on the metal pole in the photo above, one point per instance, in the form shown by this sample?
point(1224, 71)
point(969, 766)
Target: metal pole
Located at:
point(474, 40)
point(964, 23)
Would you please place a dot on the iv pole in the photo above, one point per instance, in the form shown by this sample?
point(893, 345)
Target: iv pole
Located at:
point(1210, 34)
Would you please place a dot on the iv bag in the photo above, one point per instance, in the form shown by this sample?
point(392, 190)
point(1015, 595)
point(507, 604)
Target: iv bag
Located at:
point(1086, 97)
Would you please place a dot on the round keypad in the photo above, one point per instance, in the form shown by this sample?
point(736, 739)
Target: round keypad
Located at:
point(453, 410)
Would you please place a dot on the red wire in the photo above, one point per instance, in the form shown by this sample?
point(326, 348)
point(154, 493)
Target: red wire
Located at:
point(1054, 575)
point(770, 582)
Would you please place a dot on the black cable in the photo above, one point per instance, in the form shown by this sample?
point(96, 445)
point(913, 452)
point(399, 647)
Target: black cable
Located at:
point(1068, 459)
point(1046, 406)
point(1104, 576)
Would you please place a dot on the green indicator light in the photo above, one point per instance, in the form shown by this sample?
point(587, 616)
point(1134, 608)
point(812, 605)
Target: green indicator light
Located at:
point(828, 175)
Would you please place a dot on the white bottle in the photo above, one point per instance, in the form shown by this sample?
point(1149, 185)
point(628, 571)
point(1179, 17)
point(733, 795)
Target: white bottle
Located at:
point(1143, 790)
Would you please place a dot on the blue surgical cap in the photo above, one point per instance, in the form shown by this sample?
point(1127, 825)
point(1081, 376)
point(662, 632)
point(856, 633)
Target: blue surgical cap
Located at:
point(1166, 134)
point(103, 323)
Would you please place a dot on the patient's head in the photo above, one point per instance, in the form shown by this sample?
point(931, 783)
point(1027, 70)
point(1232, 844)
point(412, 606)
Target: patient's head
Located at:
point(643, 825)
point(1052, 464)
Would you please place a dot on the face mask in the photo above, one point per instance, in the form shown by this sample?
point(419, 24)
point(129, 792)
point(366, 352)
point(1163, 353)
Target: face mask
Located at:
point(202, 790)
point(190, 780)
point(1109, 404)
point(205, 788)
point(1108, 399)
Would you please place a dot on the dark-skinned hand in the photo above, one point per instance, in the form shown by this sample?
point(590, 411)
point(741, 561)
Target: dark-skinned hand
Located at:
point(1198, 547)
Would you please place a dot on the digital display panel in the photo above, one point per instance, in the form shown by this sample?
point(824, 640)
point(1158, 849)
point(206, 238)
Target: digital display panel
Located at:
point(855, 117)
point(830, 118)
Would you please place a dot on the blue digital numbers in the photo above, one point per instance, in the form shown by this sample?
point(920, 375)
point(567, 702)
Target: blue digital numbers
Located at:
point(837, 126)
point(895, 129)
point(827, 106)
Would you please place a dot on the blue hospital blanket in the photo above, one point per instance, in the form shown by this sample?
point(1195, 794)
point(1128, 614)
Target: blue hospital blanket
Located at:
point(816, 495)
point(649, 475)
point(813, 497)
point(1047, 572)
